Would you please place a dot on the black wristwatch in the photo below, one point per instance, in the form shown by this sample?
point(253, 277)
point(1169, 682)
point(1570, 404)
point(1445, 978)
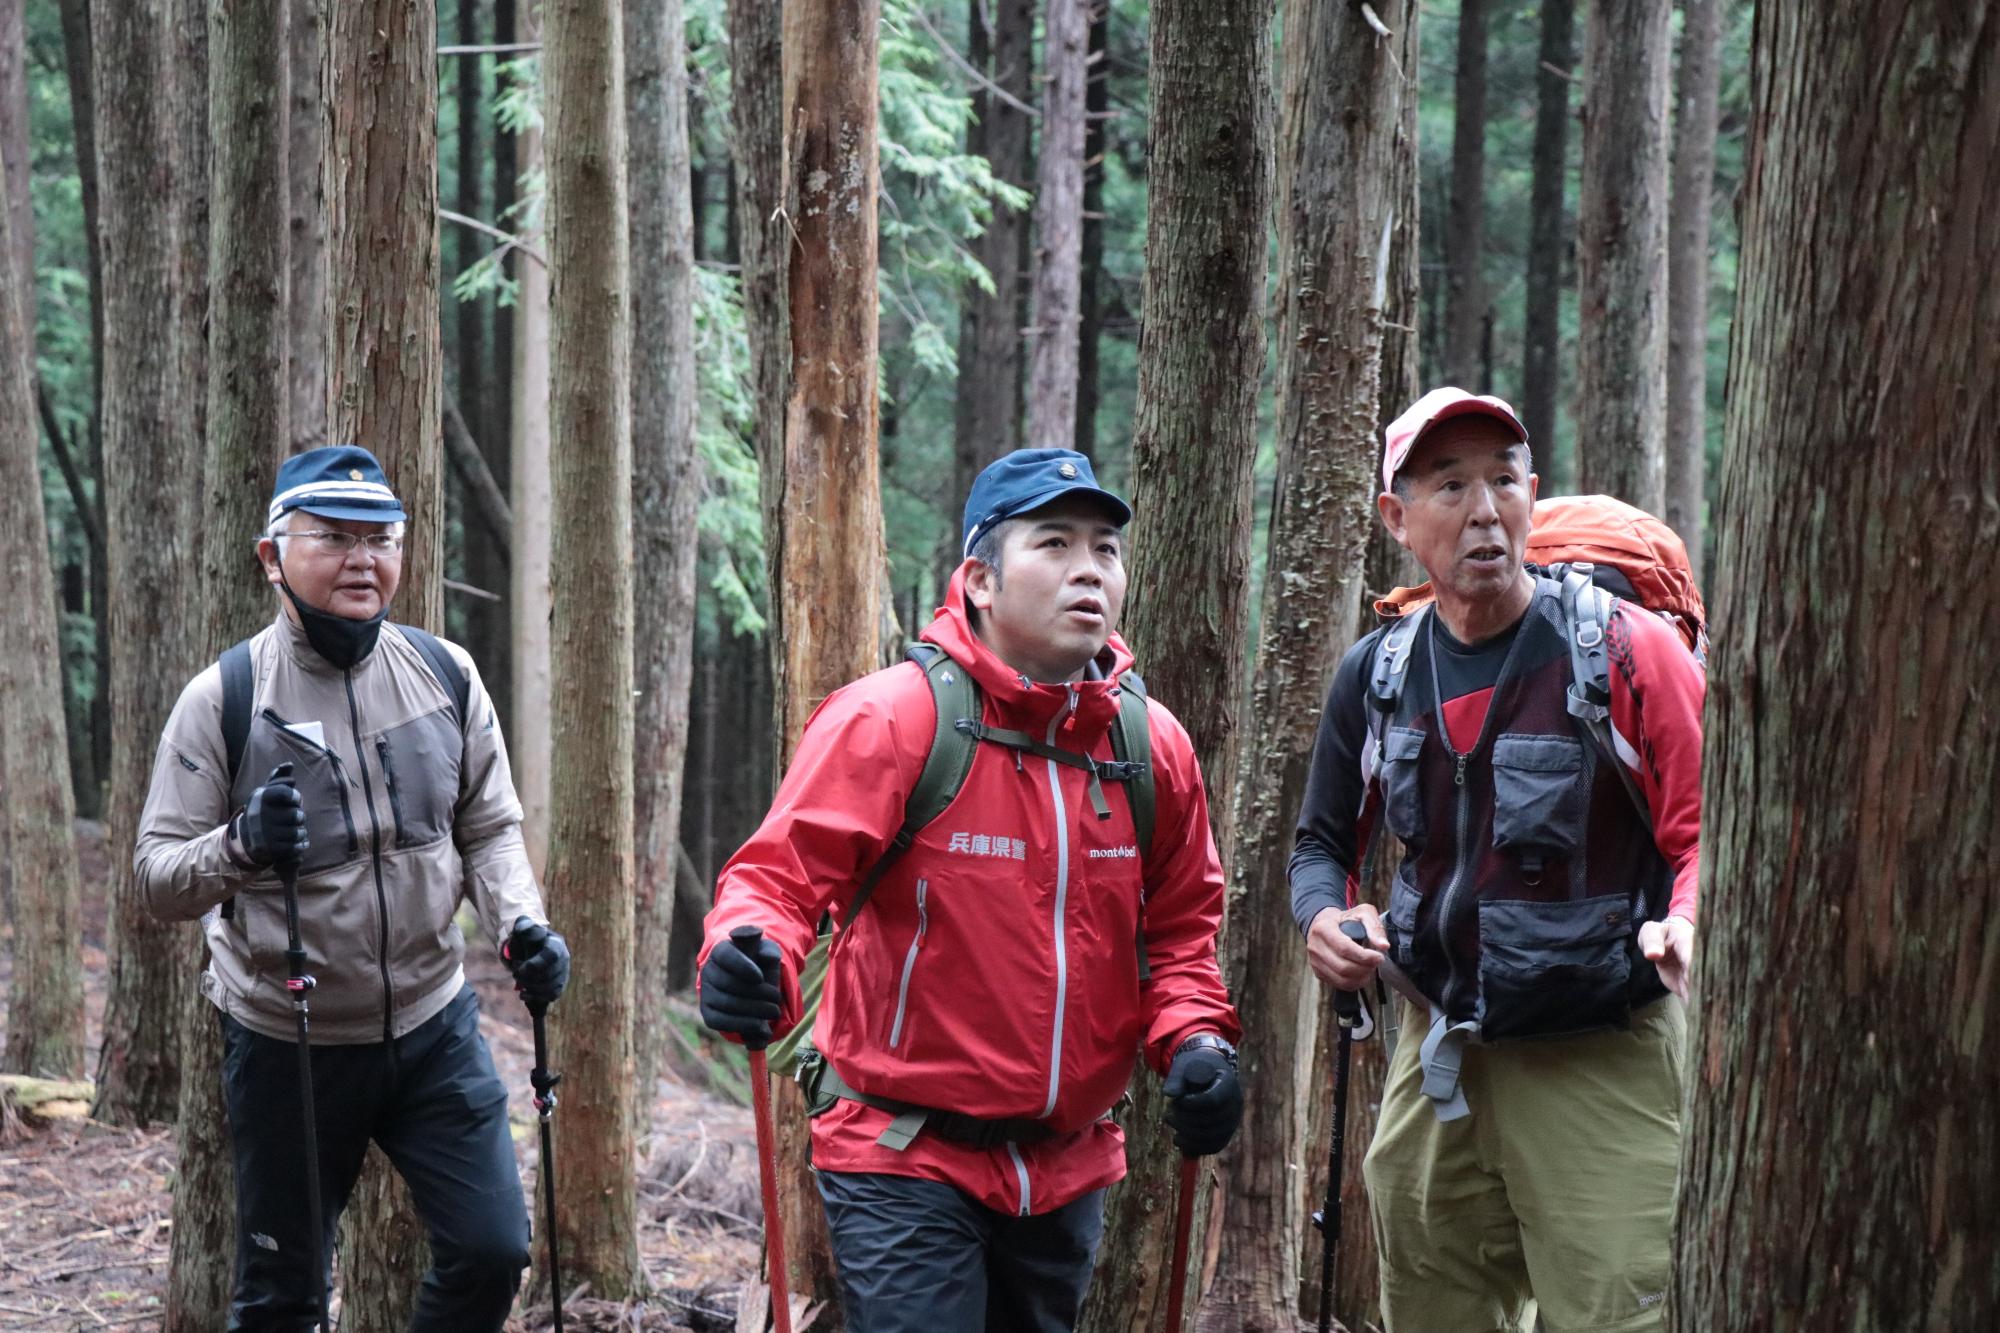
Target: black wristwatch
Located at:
point(1210, 1040)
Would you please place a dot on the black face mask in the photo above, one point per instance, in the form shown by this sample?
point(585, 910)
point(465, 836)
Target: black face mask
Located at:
point(342, 642)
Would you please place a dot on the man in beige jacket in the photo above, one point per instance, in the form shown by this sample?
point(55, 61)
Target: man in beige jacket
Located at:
point(398, 804)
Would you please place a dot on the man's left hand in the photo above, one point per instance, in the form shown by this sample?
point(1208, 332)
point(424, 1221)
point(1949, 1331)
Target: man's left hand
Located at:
point(1204, 1099)
point(539, 976)
point(1670, 946)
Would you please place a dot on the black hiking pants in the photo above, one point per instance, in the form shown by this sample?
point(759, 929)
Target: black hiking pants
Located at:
point(434, 1104)
point(919, 1256)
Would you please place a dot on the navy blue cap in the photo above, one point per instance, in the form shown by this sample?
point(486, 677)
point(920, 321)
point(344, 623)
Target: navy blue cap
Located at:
point(1027, 479)
point(340, 481)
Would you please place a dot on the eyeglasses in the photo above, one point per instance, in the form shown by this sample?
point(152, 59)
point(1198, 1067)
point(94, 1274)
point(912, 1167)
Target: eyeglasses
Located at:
point(382, 545)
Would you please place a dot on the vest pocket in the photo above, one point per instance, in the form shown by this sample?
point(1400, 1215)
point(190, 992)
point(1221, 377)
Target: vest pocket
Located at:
point(1538, 798)
point(1552, 968)
point(1403, 901)
point(1403, 798)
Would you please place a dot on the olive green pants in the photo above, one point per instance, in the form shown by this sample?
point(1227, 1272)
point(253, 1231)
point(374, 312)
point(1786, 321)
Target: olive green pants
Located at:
point(1556, 1194)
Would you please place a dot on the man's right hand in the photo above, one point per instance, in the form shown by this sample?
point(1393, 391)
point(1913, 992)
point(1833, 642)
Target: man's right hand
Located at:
point(735, 997)
point(272, 827)
point(1336, 959)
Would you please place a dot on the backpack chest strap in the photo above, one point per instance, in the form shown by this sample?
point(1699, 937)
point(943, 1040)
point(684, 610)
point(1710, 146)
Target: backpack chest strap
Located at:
point(1101, 770)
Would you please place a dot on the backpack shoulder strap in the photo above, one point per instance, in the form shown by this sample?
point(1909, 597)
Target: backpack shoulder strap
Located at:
point(1132, 744)
point(945, 767)
point(239, 686)
point(446, 668)
point(1586, 610)
point(1385, 681)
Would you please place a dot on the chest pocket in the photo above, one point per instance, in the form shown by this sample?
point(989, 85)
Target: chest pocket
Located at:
point(420, 761)
point(1539, 786)
point(1403, 797)
point(324, 790)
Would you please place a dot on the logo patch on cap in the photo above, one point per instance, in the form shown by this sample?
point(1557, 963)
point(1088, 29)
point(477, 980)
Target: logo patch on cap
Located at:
point(354, 474)
point(1067, 472)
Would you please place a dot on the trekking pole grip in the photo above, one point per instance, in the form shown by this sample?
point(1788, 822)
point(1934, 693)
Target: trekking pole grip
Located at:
point(526, 942)
point(1347, 1003)
point(746, 939)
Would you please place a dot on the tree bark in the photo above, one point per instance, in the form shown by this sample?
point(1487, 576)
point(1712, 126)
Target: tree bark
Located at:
point(383, 373)
point(1052, 324)
point(1090, 303)
point(14, 149)
point(486, 629)
point(45, 1029)
point(825, 553)
point(757, 104)
point(1687, 272)
point(307, 326)
point(1621, 243)
point(1834, 1168)
point(986, 412)
point(248, 399)
point(1340, 219)
point(149, 486)
point(1194, 448)
point(528, 463)
point(382, 201)
point(590, 876)
point(666, 493)
point(1465, 230)
point(1548, 239)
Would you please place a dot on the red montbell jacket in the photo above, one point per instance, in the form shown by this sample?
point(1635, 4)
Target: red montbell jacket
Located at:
point(993, 972)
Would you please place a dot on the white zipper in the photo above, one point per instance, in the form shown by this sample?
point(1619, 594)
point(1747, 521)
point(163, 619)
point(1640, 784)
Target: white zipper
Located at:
point(909, 965)
point(1021, 1174)
point(1062, 903)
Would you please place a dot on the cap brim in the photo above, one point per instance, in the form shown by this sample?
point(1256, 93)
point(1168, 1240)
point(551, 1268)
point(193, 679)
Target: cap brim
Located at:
point(355, 513)
point(1049, 497)
point(1460, 407)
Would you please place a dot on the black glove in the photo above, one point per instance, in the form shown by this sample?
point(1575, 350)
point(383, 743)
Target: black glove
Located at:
point(1204, 1098)
point(735, 993)
point(539, 960)
point(273, 826)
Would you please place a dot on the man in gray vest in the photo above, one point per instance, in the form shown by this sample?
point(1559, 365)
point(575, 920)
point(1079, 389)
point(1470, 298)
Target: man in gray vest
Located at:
point(367, 756)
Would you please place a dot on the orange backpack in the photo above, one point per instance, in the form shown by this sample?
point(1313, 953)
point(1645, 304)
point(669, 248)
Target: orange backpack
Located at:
point(1606, 534)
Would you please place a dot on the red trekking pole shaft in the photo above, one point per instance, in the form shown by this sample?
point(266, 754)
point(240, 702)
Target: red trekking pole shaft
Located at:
point(1183, 1229)
point(746, 939)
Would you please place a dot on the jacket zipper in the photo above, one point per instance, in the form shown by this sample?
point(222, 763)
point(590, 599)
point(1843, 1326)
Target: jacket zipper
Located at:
point(375, 846)
point(1062, 905)
point(1020, 1174)
point(395, 797)
point(346, 813)
point(909, 965)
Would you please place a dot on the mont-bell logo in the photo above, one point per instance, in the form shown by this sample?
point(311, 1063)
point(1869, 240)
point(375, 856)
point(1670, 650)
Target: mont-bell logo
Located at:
point(1113, 853)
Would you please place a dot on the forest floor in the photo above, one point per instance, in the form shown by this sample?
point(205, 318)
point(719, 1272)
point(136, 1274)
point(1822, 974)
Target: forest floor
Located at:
point(86, 1208)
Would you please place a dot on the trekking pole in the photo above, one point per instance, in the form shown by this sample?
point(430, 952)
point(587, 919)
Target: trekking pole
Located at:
point(1183, 1228)
point(1346, 1012)
point(300, 983)
point(526, 942)
point(746, 939)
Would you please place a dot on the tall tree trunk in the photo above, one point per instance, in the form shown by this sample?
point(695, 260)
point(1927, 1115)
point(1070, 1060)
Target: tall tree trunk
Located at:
point(383, 375)
point(1052, 323)
point(382, 201)
point(986, 413)
point(1835, 1170)
point(149, 487)
point(1621, 243)
point(485, 563)
point(45, 1002)
point(83, 120)
point(666, 493)
point(756, 41)
point(307, 330)
point(1090, 304)
point(826, 553)
point(1465, 229)
point(1194, 448)
point(14, 151)
point(1341, 220)
point(590, 816)
point(528, 488)
point(500, 426)
point(248, 402)
point(1687, 272)
point(1548, 240)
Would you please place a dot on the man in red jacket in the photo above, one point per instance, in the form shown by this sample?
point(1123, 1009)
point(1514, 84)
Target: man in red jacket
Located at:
point(981, 1014)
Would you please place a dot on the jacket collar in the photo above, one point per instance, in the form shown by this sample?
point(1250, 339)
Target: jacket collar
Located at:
point(1017, 701)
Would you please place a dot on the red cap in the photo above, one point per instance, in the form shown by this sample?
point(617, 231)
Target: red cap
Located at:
point(1435, 406)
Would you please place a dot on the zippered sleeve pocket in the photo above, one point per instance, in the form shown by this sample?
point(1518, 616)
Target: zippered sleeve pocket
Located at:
point(910, 964)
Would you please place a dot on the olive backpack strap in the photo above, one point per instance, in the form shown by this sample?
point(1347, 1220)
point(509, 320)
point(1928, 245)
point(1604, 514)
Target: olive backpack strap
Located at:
point(446, 668)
